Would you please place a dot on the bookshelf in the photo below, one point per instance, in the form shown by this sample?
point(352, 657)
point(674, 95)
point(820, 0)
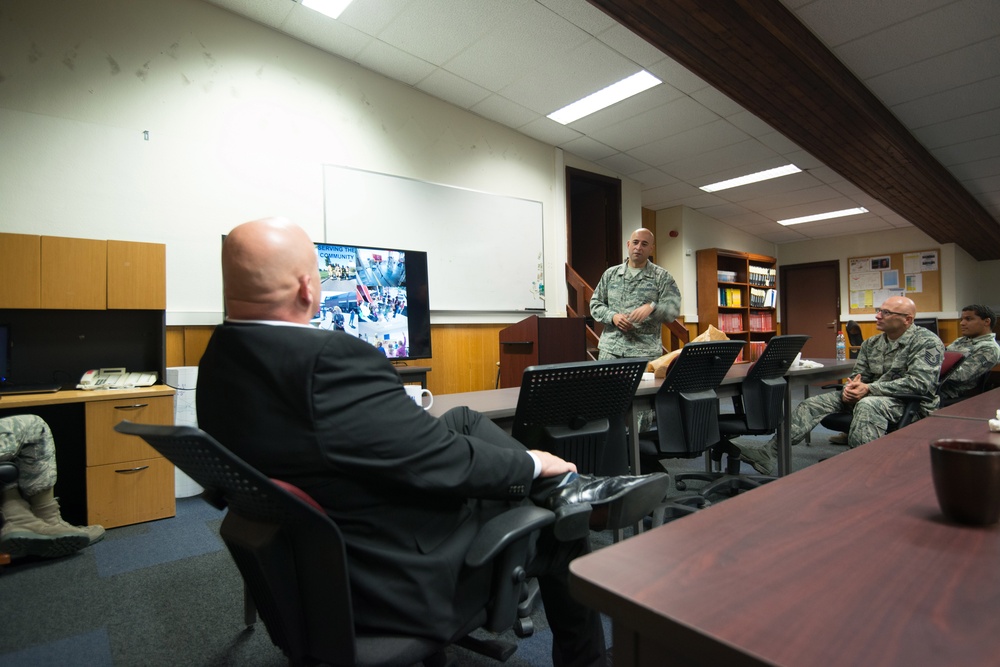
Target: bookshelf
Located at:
point(737, 293)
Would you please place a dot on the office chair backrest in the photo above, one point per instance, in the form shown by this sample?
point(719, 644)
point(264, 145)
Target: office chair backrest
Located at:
point(687, 409)
point(290, 555)
point(762, 395)
point(568, 408)
point(949, 364)
point(854, 335)
point(929, 323)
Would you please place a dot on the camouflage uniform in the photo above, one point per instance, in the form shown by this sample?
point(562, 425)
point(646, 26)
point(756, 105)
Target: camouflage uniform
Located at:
point(981, 354)
point(908, 365)
point(27, 440)
point(620, 292)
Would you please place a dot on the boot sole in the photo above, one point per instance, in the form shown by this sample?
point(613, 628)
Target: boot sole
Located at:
point(44, 546)
point(572, 522)
point(632, 505)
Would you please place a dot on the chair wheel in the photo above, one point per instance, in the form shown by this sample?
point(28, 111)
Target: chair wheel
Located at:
point(681, 485)
point(524, 627)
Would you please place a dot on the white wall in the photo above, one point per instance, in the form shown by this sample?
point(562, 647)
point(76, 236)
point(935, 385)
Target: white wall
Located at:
point(960, 280)
point(240, 121)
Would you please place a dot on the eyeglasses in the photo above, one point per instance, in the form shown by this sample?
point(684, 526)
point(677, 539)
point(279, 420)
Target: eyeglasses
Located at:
point(885, 313)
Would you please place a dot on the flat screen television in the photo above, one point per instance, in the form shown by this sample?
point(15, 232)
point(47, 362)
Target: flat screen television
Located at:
point(377, 294)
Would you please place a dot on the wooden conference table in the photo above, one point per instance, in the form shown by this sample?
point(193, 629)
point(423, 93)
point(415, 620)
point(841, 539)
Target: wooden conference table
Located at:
point(978, 408)
point(847, 562)
point(500, 404)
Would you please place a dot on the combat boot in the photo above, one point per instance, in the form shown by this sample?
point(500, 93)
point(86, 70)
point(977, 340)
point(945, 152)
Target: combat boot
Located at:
point(24, 534)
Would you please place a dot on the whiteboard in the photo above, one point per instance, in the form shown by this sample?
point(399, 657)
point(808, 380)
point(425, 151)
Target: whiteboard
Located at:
point(484, 251)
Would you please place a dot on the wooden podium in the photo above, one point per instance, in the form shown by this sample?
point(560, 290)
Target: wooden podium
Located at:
point(540, 340)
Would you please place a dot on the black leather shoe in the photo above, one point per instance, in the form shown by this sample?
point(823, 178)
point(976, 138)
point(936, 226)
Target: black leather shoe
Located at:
point(583, 503)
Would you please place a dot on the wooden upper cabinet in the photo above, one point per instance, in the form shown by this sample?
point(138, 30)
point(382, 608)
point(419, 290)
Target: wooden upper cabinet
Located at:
point(74, 273)
point(137, 274)
point(20, 271)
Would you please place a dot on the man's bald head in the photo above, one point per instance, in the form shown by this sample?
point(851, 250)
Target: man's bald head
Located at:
point(895, 316)
point(270, 272)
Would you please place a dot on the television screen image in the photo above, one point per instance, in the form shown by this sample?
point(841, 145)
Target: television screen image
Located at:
point(376, 294)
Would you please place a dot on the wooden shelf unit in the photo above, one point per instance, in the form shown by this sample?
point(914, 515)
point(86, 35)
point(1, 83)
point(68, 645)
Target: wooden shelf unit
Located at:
point(751, 275)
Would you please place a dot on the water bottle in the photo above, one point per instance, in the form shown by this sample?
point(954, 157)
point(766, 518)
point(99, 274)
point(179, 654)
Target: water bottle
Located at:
point(841, 347)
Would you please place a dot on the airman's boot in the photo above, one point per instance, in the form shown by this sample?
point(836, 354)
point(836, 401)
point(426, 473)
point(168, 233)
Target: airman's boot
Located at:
point(48, 511)
point(24, 534)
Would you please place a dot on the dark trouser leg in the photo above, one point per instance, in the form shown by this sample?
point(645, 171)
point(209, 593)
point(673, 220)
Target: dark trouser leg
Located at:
point(577, 632)
point(469, 422)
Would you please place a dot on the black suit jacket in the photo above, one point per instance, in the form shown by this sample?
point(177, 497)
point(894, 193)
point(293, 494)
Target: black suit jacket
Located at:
point(327, 412)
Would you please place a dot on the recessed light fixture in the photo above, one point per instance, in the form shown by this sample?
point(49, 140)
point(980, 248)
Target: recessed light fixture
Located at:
point(331, 8)
point(752, 178)
point(823, 216)
point(605, 97)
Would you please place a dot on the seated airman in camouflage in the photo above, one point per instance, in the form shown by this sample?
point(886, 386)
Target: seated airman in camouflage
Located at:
point(903, 359)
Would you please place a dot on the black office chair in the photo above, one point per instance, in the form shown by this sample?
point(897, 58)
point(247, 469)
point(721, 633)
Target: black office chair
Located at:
point(854, 338)
point(577, 411)
point(687, 411)
point(841, 421)
point(8, 474)
point(982, 385)
point(292, 558)
point(758, 410)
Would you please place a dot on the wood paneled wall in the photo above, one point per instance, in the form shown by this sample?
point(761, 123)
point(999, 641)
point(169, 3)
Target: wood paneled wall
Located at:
point(465, 355)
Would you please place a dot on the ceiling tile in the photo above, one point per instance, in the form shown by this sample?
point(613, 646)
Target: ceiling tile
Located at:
point(588, 149)
point(504, 111)
point(623, 164)
point(549, 131)
point(836, 21)
point(955, 103)
point(450, 88)
point(393, 63)
point(663, 121)
point(689, 143)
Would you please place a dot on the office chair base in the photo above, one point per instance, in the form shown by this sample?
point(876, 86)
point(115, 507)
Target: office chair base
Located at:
point(677, 508)
point(491, 648)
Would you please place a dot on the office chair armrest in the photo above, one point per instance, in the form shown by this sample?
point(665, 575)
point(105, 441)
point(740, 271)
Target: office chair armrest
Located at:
point(835, 385)
point(501, 531)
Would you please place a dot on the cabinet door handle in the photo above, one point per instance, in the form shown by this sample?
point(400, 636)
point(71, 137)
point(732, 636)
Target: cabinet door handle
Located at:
point(132, 407)
point(128, 471)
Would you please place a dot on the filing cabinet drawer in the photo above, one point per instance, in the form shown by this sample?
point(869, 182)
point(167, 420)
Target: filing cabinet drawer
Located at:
point(105, 445)
point(121, 494)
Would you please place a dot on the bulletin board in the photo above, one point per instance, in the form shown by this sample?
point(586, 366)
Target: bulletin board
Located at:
point(875, 278)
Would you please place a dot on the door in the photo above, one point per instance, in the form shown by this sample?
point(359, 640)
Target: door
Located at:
point(595, 223)
point(810, 304)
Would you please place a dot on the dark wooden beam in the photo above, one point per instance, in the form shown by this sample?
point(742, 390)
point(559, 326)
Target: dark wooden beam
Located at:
point(759, 54)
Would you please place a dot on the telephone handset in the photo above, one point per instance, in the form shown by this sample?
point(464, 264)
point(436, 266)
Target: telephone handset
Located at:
point(115, 378)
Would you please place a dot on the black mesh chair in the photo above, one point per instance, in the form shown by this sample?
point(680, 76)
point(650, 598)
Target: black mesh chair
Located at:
point(854, 338)
point(292, 558)
point(687, 407)
point(757, 410)
point(577, 411)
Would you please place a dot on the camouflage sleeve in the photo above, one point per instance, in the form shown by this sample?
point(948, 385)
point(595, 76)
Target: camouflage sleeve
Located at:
point(979, 358)
point(914, 371)
point(668, 303)
point(599, 308)
point(861, 365)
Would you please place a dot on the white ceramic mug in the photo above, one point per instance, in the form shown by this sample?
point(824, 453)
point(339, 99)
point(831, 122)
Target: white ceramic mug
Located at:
point(417, 393)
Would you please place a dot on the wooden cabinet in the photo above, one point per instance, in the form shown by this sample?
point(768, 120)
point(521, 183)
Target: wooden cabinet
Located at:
point(737, 294)
point(127, 480)
point(137, 274)
point(20, 271)
point(81, 274)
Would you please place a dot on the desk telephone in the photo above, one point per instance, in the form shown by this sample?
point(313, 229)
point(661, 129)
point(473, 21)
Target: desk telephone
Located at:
point(115, 378)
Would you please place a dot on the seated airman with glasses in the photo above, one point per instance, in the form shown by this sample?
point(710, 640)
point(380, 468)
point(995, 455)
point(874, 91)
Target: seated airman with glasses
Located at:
point(903, 359)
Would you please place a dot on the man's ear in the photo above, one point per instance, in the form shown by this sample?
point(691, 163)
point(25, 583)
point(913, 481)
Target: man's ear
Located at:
point(304, 293)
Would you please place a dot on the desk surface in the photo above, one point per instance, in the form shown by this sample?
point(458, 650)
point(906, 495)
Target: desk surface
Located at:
point(847, 562)
point(80, 396)
point(982, 407)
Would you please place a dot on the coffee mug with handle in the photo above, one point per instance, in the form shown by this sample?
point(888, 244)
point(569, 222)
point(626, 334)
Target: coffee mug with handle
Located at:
point(417, 393)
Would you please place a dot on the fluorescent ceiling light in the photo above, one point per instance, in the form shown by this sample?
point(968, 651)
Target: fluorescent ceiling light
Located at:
point(823, 216)
point(752, 178)
point(613, 94)
point(331, 8)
